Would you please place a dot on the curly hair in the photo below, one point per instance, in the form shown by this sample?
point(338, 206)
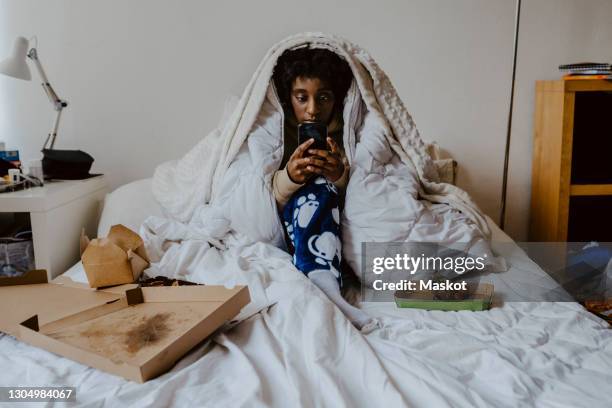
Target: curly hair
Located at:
point(323, 64)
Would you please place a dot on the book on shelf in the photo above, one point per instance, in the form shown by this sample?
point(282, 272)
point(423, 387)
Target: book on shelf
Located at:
point(586, 71)
point(586, 66)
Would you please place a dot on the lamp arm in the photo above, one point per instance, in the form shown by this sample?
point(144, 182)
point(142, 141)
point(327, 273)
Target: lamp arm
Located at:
point(53, 133)
point(58, 104)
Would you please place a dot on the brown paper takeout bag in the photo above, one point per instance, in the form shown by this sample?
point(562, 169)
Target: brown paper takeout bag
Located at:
point(117, 259)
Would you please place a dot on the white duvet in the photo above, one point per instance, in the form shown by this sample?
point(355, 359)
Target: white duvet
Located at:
point(302, 352)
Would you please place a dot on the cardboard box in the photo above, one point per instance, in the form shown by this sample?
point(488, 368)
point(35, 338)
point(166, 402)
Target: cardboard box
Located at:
point(142, 334)
point(136, 333)
point(24, 296)
point(117, 259)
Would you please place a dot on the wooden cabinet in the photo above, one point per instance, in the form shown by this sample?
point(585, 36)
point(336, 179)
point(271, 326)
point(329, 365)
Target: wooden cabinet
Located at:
point(571, 187)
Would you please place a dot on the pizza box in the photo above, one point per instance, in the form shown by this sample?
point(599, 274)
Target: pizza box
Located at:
point(23, 296)
point(141, 334)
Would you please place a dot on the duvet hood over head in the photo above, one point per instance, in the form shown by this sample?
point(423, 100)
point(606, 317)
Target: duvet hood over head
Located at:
point(196, 179)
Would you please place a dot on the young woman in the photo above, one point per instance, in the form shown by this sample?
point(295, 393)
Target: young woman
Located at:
point(308, 187)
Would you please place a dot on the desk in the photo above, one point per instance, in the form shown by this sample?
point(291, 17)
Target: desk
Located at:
point(58, 211)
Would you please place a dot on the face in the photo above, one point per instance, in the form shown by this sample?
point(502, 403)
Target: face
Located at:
point(311, 100)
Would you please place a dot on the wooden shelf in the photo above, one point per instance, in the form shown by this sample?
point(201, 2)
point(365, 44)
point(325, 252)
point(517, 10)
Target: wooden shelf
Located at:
point(571, 128)
point(574, 85)
point(586, 85)
point(591, 189)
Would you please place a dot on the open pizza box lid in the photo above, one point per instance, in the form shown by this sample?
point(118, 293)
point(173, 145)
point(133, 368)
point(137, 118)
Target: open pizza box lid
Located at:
point(23, 296)
point(137, 333)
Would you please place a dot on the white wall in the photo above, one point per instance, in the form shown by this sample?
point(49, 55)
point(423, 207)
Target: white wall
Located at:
point(146, 79)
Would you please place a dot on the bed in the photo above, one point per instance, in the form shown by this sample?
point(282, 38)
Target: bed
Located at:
point(516, 354)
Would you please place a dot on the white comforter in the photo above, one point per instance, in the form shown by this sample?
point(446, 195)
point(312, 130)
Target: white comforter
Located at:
point(301, 351)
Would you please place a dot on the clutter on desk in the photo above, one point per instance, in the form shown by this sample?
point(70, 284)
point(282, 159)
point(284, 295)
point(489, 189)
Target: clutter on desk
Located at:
point(9, 165)
point(15, 180)
point(12, 176)
point(10, 156)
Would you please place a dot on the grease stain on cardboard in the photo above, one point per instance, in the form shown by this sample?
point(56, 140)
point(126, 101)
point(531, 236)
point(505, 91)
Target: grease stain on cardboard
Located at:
point(150, 330)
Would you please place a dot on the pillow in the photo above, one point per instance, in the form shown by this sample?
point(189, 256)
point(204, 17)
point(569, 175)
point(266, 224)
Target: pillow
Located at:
point(129, 205)
point(447, 167)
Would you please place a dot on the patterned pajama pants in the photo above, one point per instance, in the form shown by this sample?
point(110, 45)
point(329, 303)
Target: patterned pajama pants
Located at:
point(312, 221)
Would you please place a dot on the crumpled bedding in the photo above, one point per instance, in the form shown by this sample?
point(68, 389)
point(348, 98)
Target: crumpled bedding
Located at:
point(517, 354)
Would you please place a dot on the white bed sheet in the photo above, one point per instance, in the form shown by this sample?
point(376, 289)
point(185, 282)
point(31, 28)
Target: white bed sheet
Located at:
point(517, 354)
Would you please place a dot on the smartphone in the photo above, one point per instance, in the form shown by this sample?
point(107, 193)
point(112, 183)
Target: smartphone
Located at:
point(313, 130)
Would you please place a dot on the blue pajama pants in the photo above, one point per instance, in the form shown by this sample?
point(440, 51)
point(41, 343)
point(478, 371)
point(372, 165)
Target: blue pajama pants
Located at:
point(312, 221)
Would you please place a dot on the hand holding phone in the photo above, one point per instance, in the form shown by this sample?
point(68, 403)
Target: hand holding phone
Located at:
point(317, 154)
point(329, 161)
point(299, 167)
point(313, 130)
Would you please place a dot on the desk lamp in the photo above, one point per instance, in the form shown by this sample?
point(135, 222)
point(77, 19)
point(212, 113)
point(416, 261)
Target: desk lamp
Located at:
point(59, 164)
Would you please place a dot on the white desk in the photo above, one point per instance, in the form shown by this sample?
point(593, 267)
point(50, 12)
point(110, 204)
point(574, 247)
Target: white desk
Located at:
point(58, 211)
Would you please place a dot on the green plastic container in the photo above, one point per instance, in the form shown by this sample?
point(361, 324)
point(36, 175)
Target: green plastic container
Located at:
point(478, 299)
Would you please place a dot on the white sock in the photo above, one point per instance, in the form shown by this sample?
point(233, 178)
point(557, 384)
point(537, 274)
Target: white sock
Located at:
point(326, 281)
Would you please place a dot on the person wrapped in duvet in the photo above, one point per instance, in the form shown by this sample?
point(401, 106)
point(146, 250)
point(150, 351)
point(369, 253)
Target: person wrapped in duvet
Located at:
point(308, 187)
point(222, 200)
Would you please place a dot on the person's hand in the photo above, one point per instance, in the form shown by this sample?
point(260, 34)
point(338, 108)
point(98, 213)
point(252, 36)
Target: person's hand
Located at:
point(301, 168)
point(328, 163)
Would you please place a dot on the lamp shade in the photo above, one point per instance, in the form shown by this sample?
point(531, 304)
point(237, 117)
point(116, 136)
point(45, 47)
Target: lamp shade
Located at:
point(16, 65)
